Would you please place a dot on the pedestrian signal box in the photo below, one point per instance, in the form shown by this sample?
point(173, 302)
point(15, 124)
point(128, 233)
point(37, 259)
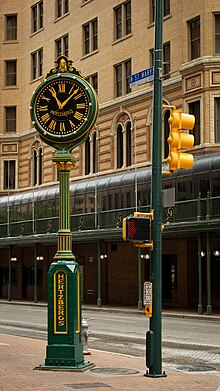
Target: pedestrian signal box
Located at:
point(137, 229)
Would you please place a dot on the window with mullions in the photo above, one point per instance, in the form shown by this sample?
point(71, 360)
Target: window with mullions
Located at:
point(37, 64)
point(194, 108)
point(62, 46)
point(122, 17)
point(166, 9)
point(166, 60)
point(123, 139)
point(11, 28)
point(10, 73)
point(194, 31)
point(217, 119)
point(122, 78)
point(90, 36)
point(10, 119)
point(62, 7)
point(119, 146)
point(93, 80)
point(37, 162)
point(217, 33)
point(37, 13)
point(9, 174)
point(91, 158)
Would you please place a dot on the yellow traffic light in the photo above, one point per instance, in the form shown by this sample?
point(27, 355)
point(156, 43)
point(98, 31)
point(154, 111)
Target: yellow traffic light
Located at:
point(178, 140)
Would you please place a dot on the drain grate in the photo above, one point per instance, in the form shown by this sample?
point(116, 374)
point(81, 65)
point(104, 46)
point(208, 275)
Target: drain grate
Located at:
point(95, 385)
point(196, 368)
point(115, 371)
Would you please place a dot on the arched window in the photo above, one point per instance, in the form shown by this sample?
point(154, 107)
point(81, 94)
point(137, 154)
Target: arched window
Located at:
point(128, 143)
point(37, 163)
point(90, 154)
point(94, 152)
point(119, 146)
point(123, 141)
point(87, 157)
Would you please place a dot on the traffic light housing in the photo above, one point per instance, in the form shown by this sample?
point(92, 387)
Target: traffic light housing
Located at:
point(137, 229)
point(179, 140)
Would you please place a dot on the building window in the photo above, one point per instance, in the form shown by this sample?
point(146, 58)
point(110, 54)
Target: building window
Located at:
point(87, 157)
point(37, 166)
point(90, 36)
point(166, 9)
point(123, 140)
point(194, 108)
point(11, 73)
point(93, 80)
point(94, 153)
point(62, 46)
point(62, 7)
point(10, 119)
point(217, 119)
point(37, 16)
point(37, 64)
point(122, 78)
point(11, 28)
point(217, 33)
point(9, 174)
point(194, 28)
point(119, 146)
point(91, 163)
point(128, 143)
point(122, 15)
point(166, 60)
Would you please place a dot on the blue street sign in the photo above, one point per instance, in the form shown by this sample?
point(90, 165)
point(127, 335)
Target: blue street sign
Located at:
point(142, 77)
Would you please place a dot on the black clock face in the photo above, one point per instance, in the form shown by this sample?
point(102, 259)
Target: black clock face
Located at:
point(62, 106)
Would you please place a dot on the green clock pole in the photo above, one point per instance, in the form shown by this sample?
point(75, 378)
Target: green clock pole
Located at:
point(63, 127)
point(64, 350)
point(153, 338)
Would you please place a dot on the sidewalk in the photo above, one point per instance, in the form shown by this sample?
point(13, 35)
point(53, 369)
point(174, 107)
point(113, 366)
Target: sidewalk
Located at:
point(19, 356)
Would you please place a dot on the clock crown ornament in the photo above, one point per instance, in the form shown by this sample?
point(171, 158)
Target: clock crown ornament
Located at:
point(64, 107)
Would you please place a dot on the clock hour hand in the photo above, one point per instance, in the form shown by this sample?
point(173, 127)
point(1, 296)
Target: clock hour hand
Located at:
point(54, 95)
point(69, 97)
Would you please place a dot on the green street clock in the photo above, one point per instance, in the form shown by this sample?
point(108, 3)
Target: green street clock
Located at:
point(64, 107)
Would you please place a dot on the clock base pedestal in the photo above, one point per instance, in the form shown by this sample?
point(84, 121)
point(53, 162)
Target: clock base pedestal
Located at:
point(64, 350)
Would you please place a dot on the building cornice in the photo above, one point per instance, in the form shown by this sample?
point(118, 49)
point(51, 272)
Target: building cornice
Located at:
point(199, 63)
point(142, 94)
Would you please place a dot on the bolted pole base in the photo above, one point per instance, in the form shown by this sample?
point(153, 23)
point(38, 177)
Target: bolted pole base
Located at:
point(148, 374)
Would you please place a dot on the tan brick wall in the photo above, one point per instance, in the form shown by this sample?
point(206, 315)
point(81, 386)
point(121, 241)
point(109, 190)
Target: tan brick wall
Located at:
point(136, 46)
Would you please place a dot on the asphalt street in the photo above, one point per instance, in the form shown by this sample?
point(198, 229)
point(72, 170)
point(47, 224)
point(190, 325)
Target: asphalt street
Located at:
point(189, 342)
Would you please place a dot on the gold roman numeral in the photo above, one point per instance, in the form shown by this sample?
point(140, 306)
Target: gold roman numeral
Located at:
point(47, 99)
point(78, 115)
point(71, 124)
point(78, 96)
point(62, 127)
point(52, 90)
point(62, 87)
point(45, 118)
point(80, 105)
point(52, 125)
point(43, 108)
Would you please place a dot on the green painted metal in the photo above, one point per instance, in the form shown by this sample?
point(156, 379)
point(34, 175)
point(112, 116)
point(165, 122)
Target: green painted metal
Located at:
point(65, 142)
point(155, 362)
point(65, 349)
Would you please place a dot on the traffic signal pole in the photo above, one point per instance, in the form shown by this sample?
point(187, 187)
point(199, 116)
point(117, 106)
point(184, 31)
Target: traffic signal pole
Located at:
point(153, 353)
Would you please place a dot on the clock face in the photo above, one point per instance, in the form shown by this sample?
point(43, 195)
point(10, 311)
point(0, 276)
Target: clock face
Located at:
point(62, 106)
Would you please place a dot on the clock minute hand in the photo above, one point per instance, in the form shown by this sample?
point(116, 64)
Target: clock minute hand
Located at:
point(54, 95)
point(69, 97)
